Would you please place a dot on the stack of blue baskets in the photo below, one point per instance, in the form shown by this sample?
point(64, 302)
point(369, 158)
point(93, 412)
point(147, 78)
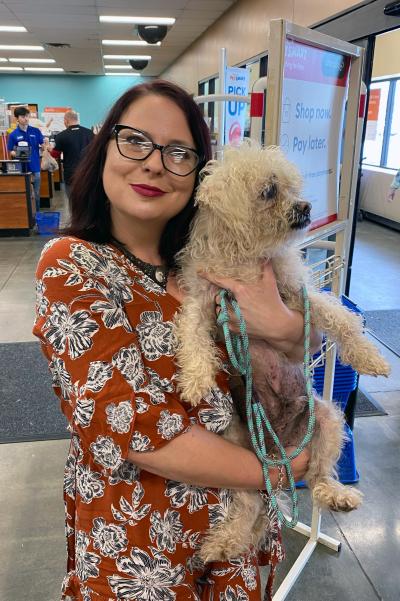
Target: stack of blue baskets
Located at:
point(345, 381)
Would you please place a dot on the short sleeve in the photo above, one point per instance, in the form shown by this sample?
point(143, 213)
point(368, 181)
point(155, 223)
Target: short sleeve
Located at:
point(83, 330)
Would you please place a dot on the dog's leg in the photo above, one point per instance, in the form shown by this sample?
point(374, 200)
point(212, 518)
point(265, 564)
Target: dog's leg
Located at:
point(242, 529)
point(197, 354)
point(325, 451)
point(345, 328)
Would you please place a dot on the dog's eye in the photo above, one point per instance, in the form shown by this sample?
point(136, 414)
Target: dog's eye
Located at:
point(270, 192)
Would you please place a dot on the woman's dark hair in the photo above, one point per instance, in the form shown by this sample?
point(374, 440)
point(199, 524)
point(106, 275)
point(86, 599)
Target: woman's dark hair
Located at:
point(90, 213)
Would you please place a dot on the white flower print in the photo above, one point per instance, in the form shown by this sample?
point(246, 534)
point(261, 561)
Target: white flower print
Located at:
point(129, 362)
point(218, 415)
point(109, 539)
point(68, 267)
point(150, 578)
point(89, 484)
point(69, 476)
point(99, 373)
point(120, 416)
point(141, 405)
point(99, 263)
point(156, 380)
point(86, 562)
point(156, 395)
point(112, 313)
point(181, 494)
point(75, 328)
point(169, 424)
point(106, 452)
point(140, 442)
point(150, 286)
point(132, 513)
point(61, 377)
point(156, 337)
point(240, 567)
point(166, 530)
point(231, 594)
point(83, 412)
point(127, 472)
point(41, 301)
point(218, 512)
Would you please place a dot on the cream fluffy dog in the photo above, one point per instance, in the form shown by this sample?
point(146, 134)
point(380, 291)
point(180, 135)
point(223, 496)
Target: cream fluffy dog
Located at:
point(250, 210)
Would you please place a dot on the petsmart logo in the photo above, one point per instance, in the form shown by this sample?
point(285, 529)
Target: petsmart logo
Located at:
point(234, 77)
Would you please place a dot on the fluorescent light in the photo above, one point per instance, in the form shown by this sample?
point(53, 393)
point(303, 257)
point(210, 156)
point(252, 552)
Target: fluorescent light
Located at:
point(125, 74)
point(10, 68)
point(3, 60)
point(15, 28)
point(12, 47)
point(138, 20)
point(122, 57)
point(52, 69)
point(127, 43)
point(31, 60)
point(126, 66)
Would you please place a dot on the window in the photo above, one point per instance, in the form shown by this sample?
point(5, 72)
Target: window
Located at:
point(382, 137)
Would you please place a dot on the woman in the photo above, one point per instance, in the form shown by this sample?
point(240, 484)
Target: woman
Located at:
point(146, 475)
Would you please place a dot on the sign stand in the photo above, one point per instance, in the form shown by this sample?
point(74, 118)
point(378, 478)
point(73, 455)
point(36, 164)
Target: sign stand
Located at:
point(309, 57)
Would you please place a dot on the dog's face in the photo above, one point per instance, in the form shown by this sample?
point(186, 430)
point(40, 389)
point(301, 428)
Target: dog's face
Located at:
point(256, 193)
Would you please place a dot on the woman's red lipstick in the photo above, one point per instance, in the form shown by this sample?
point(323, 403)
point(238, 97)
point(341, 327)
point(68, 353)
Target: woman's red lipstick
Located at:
point(145, 190)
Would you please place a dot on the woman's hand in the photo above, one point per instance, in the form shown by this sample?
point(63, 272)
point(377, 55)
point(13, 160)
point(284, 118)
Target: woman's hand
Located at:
point(299, 464)
point(266, 315)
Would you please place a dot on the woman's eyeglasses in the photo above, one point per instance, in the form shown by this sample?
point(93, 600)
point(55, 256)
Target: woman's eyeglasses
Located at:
point(134, 144)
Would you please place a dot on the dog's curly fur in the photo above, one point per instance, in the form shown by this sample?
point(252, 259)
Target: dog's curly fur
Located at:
point(250, 209)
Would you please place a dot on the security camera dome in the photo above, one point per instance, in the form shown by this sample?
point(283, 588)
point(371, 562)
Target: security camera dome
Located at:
point(152, 33)
point(138, 64)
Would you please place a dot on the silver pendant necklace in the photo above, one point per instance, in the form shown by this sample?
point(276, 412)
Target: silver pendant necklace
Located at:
point(157, 273)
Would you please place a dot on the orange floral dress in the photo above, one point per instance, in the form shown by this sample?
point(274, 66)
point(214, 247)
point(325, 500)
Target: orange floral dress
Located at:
point(107, 332)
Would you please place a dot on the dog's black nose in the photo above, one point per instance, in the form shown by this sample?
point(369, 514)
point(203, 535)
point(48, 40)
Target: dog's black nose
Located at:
point(303, 207)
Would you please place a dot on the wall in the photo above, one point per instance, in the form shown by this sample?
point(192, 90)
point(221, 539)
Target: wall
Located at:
point(91, 96)
point(243, 30)
point(387, 54)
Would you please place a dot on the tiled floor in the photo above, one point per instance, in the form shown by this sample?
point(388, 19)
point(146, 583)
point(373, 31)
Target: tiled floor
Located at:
point(368, 566)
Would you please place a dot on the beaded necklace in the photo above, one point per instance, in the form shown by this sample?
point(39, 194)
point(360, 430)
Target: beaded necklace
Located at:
point(157, 273)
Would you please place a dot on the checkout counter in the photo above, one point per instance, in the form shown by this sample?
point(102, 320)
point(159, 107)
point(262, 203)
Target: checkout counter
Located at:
point(17, 201)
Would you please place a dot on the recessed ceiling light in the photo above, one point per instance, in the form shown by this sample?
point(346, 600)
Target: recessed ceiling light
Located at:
point(13, 47)
point(122, 57)
point(138, 20)
point(125, 74)
point(3, 60)
point(128, 43)
point(31, 60)
point(126, 66)
point(52, 69)
point(15, 28)
point(10, 68)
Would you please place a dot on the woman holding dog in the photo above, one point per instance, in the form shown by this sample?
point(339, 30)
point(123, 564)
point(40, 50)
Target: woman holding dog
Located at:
point(146, 475)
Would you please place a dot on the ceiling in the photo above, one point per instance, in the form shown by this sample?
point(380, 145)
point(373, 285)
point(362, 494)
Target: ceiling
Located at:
point(76, 22)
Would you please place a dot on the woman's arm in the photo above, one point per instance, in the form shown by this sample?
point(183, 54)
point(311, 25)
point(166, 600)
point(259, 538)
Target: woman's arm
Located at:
point(202, 458)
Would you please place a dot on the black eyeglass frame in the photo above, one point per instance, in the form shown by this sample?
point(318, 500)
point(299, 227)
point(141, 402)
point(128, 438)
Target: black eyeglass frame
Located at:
point(118, 127)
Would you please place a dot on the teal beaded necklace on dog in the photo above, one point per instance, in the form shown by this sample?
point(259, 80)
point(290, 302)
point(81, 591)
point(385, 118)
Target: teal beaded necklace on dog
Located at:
point(238, 349)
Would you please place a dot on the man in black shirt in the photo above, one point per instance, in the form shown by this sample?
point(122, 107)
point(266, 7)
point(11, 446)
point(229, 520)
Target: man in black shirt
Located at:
point(71, 143)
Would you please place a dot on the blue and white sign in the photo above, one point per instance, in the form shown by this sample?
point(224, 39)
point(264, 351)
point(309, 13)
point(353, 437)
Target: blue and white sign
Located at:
point(236, 82)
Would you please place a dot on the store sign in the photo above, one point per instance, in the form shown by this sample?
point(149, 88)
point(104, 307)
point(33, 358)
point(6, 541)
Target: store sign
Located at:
point(373, 114)
point(236, 82)
point(313, 103)
point(53, 116)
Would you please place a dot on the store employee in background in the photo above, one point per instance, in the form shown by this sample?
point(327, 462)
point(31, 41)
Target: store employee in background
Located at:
point(31, 138)
point(71, 143)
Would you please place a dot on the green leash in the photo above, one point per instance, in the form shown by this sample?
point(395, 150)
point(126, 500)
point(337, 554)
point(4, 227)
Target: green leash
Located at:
point(238, 349)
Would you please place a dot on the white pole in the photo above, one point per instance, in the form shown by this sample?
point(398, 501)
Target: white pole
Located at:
point(221, 113)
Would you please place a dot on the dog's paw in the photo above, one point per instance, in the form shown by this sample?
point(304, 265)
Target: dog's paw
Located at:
point(337, 497)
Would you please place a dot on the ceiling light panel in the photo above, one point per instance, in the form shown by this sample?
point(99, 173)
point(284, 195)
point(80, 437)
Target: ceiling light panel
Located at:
point(32, 60)
point(122, 57)
point(128, 43)
point(49, 69)
point(138, 20)
point(10, 68)
point(21, 47)
point(117, 66)
point(125, 74)
point(13, 28)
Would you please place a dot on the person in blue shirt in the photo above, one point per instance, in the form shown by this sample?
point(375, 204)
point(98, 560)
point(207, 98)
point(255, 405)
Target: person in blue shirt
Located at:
point(29, 137)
